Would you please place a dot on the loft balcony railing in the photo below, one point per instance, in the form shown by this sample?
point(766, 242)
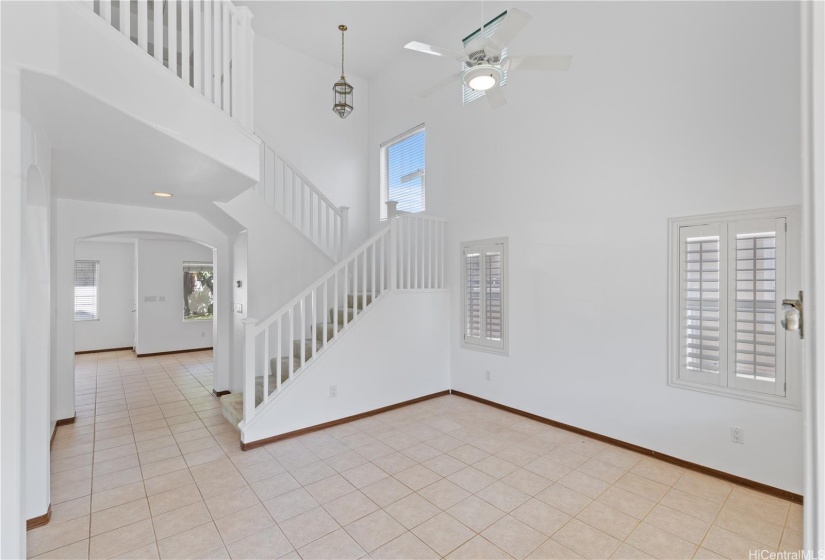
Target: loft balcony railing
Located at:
point(205, 43)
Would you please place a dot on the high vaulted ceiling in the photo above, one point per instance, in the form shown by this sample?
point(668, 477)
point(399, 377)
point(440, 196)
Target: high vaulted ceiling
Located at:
point(377, 31)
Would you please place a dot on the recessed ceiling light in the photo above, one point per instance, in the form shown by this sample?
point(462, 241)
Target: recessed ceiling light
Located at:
point(163, 194)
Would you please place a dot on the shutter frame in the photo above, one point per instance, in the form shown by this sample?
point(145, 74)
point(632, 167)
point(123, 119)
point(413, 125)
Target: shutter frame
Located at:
point(492, 317)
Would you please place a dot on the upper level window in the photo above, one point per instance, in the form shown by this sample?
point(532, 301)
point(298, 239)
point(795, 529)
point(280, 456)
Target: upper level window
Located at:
point(729, 274)
point(86, 283)
point(484, 283)
point(403, 172)
point(197, 291)
point(468, 94)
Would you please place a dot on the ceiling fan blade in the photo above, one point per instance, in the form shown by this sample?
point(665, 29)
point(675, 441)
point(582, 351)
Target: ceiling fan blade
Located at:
point(495, 97)
point(431, 49)
point(438, 85)
point(539, 62)
point(514, 21)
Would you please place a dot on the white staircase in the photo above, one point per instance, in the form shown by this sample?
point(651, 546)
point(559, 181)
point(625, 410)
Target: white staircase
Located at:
point(407, 255)
point(302, 204)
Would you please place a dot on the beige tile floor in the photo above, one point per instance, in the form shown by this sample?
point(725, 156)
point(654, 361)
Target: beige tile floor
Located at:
point(151, 469)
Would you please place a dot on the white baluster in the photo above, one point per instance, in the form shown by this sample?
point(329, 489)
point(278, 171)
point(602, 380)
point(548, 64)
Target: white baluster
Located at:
point(265, 394)
point(344, 231)
point(354, 287)
point(443, 245)
point(335, 306)
point(392, 213)
point(313, 322)
point(296, 189)
point(172, 35)
point(106, 11)
point(373, 269)
point(320, 238)
point(311, 215)
point(197, 45)
point(225, 77)
point(291, 346)
point(278, 366)
point(207, 50)
point(329, 248)
point(249, 368)
point(364, 283)
point(184, 40)
point(325, 311)
point(217, 59)
point(303, 311)
point(381, 271)
point(345, 297)
point(269, 177)
point(409, 258)
point(125, 18)
point(158, 30)
point(143, 25)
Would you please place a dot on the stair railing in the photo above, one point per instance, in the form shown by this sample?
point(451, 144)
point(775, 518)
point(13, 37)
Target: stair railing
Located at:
point(303, 204)
point(408, 254)
point(215, 59)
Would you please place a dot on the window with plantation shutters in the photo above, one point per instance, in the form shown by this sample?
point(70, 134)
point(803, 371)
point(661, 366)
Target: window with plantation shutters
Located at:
point(485, 302)
point(86, 285)
point(731, 273)
point(403, 173)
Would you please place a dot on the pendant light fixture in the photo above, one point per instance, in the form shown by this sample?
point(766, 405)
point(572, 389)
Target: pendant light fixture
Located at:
point(342, 91)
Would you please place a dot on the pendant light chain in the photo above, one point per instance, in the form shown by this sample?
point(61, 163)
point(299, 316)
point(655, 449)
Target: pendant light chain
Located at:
point(342, 52)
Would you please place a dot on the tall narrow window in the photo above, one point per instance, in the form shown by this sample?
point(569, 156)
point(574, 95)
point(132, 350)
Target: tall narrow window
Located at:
point(484, 268)
point(733, 271)
point(86, 283)
point(403, 172)
point(198, 299)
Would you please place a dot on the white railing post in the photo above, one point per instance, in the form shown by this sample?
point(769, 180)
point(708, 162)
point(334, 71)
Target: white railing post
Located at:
point(392, 213)
point(242, 70)
point(249, 368)
point(344, 231)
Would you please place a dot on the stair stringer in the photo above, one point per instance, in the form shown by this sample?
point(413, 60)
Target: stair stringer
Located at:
point(397, 351)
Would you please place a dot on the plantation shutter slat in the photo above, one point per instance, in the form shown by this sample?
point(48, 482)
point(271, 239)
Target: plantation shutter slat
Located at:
point(86, 284)
point(757, 253)
point(702, 309)
point(403, 172)
point(484, 291)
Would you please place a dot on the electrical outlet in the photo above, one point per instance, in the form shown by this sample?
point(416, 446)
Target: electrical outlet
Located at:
point(488, 376)
point(333, 391)
point(238, 308)
point(737, 435)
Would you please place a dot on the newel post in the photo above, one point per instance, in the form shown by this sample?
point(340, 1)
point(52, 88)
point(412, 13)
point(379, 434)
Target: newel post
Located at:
point(344, 232)
point(392, 217)
point(249, 368)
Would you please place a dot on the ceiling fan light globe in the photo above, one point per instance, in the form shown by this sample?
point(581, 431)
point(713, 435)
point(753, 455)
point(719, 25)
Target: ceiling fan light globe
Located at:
point(482, 77)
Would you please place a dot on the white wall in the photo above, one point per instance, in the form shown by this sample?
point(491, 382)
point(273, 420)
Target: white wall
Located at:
point(161, 327)
point(669, 109)
point(24, 312)
point(293, 114)
point(115, 326)
point(370, 365)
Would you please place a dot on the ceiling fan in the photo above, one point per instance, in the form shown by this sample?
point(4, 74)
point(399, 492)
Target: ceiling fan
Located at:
point(485, 62)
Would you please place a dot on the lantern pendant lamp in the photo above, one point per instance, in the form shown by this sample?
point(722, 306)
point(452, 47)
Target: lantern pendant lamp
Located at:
point(342, 91)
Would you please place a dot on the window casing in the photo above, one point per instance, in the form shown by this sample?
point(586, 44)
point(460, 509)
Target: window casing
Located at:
point(86, 287)
point(198, 299)
point(728, 276)
point(403, 172)
point(484, 295)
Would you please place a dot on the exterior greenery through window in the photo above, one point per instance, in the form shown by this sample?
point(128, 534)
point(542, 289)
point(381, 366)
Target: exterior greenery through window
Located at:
point(198, 299)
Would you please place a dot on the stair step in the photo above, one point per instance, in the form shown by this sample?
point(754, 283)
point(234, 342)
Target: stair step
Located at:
point(360, 299)
point(273, 364)
point(341, 315)
point(296, 348)
point(232, 408)
point(319, 332)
